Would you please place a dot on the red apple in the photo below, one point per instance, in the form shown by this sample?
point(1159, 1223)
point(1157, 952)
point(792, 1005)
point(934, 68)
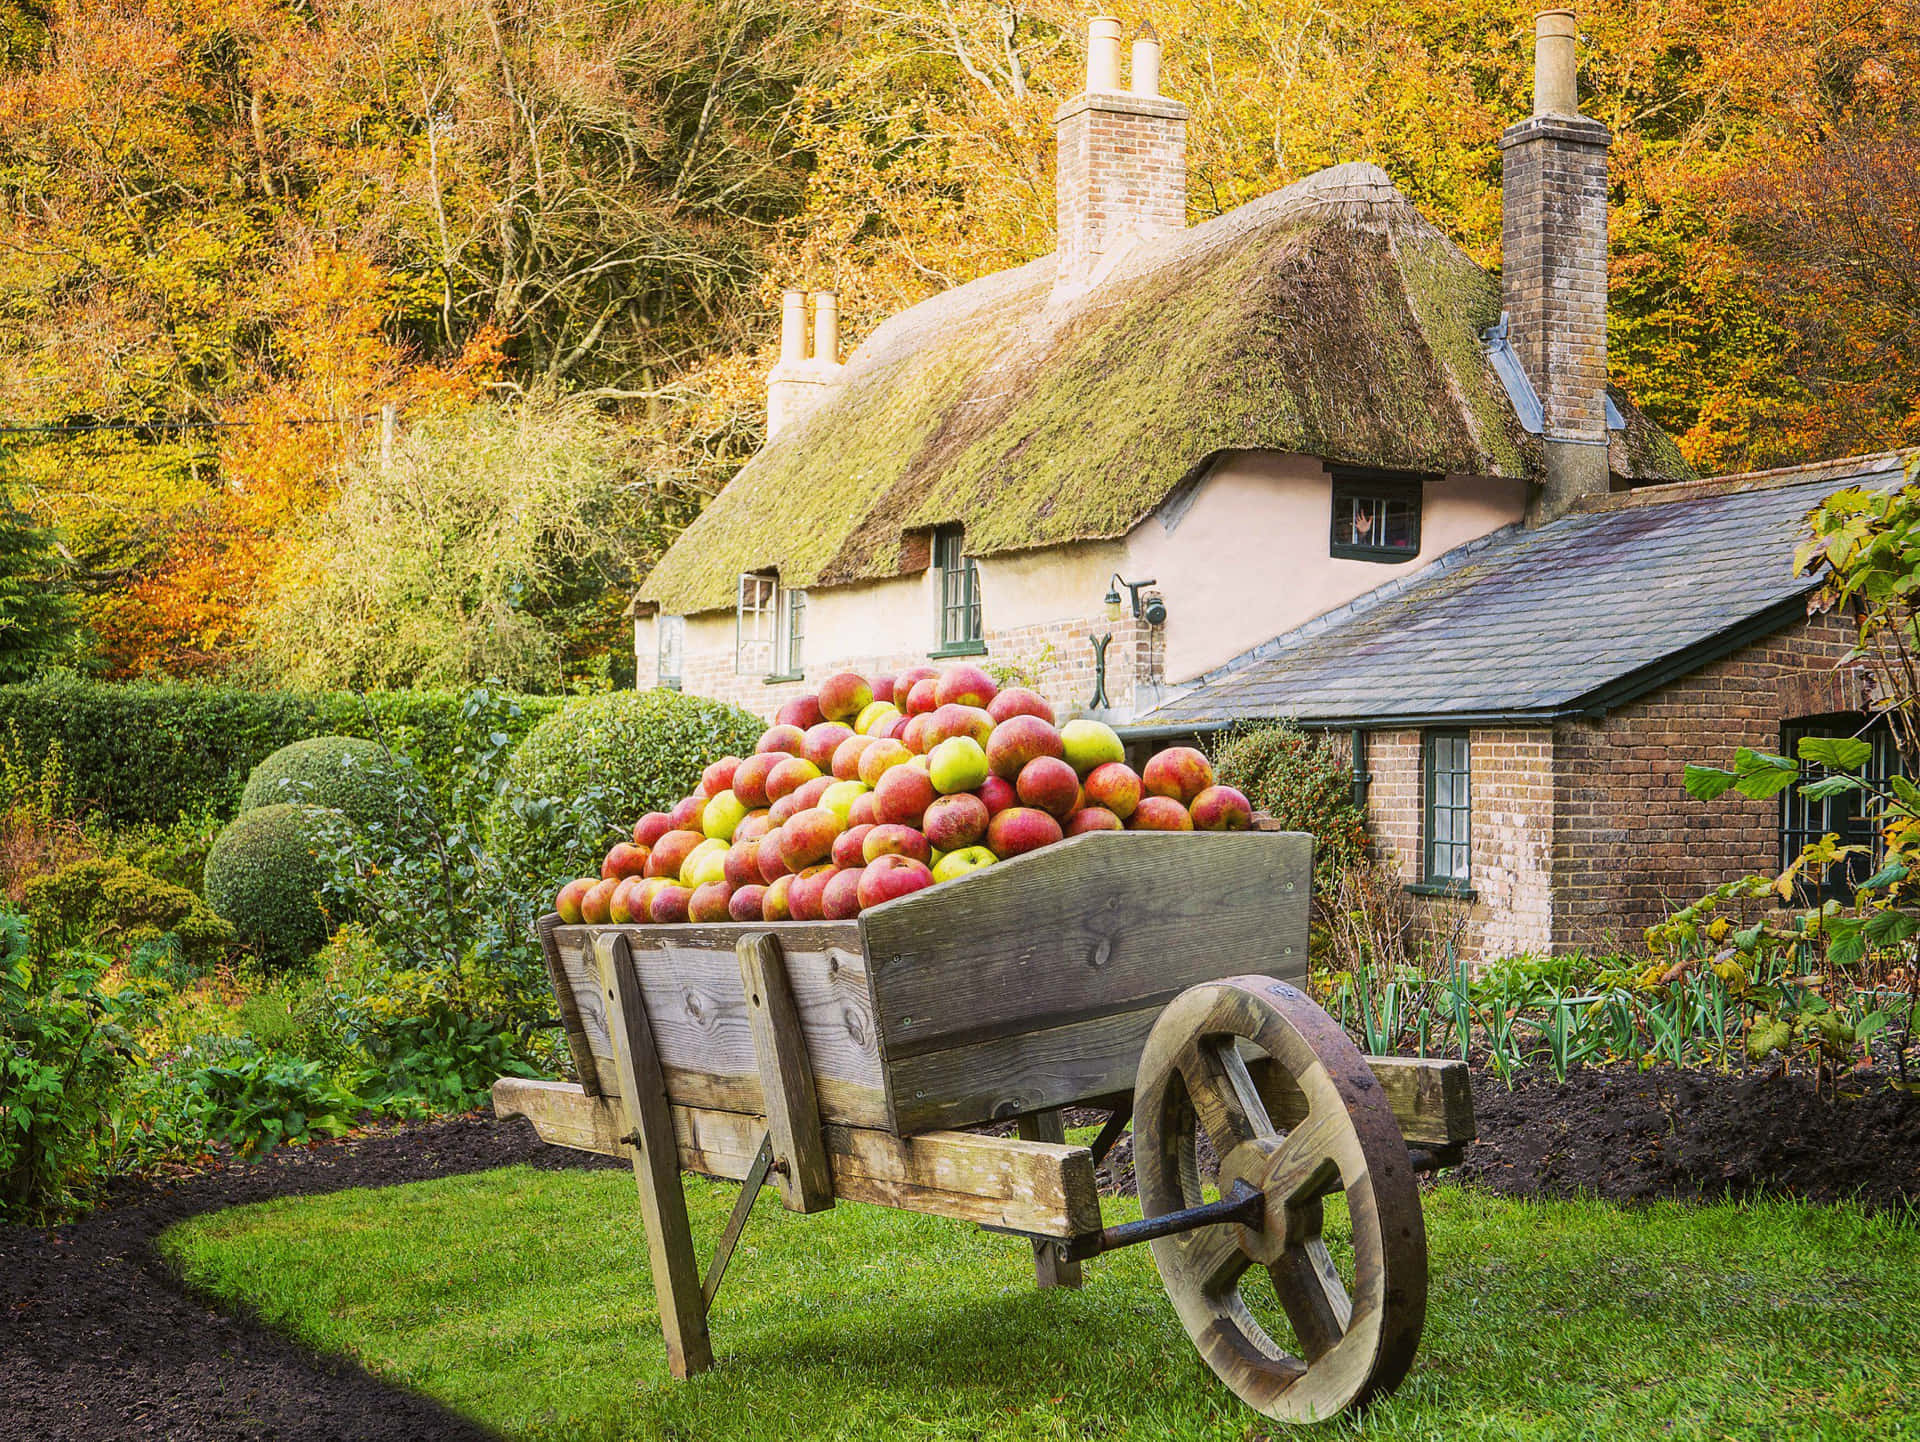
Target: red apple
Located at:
point(650, 828)
point(841, 899)
point(1221, 808)
point(808, 839)
point(844, 696)
point(892, 729)
point(719, 776)
point(1116, 786)
point(950, 721)
point(767, 858)
point(687, 813)
point(807, 893)
point(788, 738)
point(1021, 829)
point(753, 826)
point(750, 777)
point(881, 757)
point(964, 685)
point(670, 904)
point(567, 903)
point(622, 906)
point(905, 681)
point(922, 697)
point(801, 711)
point(1019, 739)
point(914, 732)
point(789, 776)
point(888, 839)
point(846, 757)
point(883, 689)
point(624, 860)
point(1093, 818)
point(891, 876)
point(1179, 772)
point(847, 846)
point(743, 865)
point(1049, 783)
point(672, 852)
point(783, 810)
point(1019, 701)
point(823, 740)
point(810, 794)
point(955, 822)
point(774, 905)
point(903, 796)
point(997, 794)
point(595, 906)
point(1160, 813)
point(709, 902)
point(861, 813)
point(748, 903)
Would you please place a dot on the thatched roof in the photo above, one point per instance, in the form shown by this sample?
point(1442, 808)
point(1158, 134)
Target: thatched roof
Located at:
point(1329, 318)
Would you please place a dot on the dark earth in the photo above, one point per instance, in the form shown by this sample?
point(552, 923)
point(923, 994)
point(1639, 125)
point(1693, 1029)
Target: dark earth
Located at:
point(99, 1340)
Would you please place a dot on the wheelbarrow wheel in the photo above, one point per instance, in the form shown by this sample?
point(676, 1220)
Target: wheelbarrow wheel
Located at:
point(1193, 1080)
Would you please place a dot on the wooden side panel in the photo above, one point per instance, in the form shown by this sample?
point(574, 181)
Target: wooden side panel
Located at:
point(1033, 984)
point(1025, 1186)
point(583, 1059)
point(801, 1175)
point(690, 981)
point(1432, 1100)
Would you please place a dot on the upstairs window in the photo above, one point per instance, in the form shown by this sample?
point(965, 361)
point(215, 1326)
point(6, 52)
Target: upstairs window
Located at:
point(1804, 820)
point(960, 632)
point(1376, 517)
point(756, 624)
point(671, 632)
point(1449, 811)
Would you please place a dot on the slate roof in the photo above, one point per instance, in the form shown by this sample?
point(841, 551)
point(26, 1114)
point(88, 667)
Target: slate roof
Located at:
point(1574, 617)
point(1329, 318)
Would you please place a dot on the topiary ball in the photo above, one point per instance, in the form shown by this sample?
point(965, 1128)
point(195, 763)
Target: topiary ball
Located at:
point(264, 875)
point(340, 773)
point(584, 775)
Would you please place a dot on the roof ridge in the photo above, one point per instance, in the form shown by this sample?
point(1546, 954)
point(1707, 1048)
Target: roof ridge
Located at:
point(1742, 482)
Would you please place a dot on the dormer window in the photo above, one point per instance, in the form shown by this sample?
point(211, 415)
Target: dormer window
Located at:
point(1376, 516)
point(960, 631)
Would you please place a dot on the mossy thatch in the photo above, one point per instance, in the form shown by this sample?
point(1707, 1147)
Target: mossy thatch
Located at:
point(1328, 319)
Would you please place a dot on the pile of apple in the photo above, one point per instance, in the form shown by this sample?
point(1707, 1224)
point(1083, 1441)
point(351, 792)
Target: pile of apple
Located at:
point(871, 790)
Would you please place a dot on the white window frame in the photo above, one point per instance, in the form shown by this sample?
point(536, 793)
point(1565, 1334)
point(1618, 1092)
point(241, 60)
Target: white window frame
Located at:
point(756, 623)
point(791, 643)
point(670, 650)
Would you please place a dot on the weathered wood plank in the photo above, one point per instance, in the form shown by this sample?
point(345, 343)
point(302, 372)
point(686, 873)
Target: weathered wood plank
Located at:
point(1100, 925)
point(1043, 1188)
point(786, 1078)
point(583, 1060)
point(1049, 1269)
point(1431, 1099)
point(656, 1164)
point(690, 978)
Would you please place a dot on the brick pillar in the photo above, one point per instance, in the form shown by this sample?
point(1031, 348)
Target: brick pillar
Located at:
point(1554, 269)
point(1122, 159)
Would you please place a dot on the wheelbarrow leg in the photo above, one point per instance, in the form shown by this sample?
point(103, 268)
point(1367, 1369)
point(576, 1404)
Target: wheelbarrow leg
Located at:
point(656, 1163)
point(1048, 1268)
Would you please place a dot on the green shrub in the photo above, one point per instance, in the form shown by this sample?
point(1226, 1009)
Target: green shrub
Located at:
point(1306, 783)
point(254, 1102)
point(176, 853)
point(154, 752)
point(265, 874)
point(341, 773)
point(582, 778)
point(106, 901)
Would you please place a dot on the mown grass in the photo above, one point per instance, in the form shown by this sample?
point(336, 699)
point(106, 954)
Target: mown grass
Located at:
point(521, 1299)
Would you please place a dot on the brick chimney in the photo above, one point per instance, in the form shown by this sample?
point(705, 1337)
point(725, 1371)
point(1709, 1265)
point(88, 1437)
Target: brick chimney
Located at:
point(1122, 157)
point(1554, 268)
point(798, 383)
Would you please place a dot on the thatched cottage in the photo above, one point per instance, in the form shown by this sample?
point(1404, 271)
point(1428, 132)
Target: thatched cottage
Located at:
point(1185, 475)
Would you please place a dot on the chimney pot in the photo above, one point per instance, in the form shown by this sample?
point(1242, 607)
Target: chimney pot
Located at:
point(793, 327)
point(1103, 54)
point(1146, 61)
point(1555, 87)
point(826, 327)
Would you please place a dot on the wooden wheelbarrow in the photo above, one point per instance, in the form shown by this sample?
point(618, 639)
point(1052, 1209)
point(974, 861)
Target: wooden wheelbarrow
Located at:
point(1154, 976)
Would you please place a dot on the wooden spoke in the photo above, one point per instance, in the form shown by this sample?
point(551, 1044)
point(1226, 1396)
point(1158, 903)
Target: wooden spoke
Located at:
point(1193, 1080)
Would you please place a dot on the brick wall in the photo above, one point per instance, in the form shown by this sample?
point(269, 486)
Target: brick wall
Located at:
point(1122, 164)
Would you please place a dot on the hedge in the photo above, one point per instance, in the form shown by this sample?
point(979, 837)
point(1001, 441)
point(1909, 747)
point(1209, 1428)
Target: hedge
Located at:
point(264, 875)
point(156, 752)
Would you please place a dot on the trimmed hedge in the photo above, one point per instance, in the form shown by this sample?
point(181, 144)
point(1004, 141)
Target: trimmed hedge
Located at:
point(154, 752)
point(343, 773)
point(264, 875)
point(582, 778)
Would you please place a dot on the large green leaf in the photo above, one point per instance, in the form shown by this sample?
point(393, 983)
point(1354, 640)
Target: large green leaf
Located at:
point(1707, 783)
point(1836, 753)
point(1759, 775)
point(1830, 786)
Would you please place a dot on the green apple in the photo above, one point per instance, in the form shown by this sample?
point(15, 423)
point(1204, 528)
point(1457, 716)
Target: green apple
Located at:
point(839, 798)
point(706, 862)
point(723, 815)
point(957, 764)
point(959, 863)
point(1088, 744)
point(873, 716)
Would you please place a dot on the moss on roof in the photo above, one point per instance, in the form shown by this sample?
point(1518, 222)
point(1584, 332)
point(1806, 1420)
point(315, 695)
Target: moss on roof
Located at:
point(1329, 319)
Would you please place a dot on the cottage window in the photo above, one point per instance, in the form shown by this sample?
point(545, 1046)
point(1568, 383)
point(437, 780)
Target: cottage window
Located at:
point(756, 624)
point(1375, 517)
point(671, 635)
point(1449, 811)
point(960, 632)
point(793, 635)
point(1804, 820)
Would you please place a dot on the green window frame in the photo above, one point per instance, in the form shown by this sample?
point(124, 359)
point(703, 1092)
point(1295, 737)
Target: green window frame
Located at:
point(1804, 820)
point(1447, 831)
point(961, 633)
point(1376, 517)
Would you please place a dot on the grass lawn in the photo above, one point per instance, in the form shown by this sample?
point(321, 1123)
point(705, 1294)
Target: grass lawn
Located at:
point(521, 1298)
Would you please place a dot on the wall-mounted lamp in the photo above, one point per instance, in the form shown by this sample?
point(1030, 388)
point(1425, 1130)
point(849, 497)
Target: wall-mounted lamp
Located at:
point(1151, 609)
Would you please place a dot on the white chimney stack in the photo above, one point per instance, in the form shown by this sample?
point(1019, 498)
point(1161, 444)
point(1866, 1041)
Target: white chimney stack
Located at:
point(1103, 54)
point(793, 328)
point(826, 327)
point(1555, 90)
point(1146, 61)
point(799, 383)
